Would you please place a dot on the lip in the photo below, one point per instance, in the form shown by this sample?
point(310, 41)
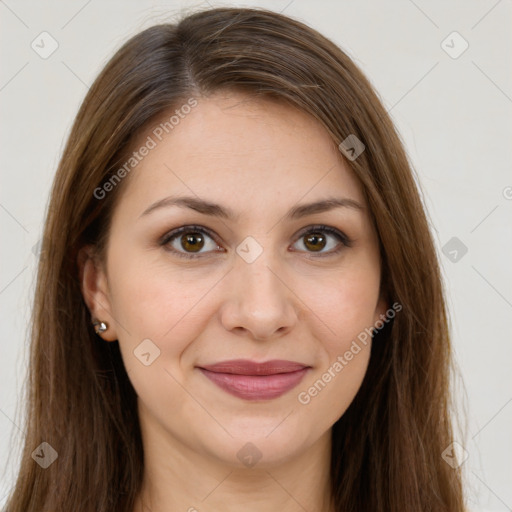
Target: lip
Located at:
point(251, 380)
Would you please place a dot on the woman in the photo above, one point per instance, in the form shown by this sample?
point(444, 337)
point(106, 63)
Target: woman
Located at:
point(239, 303)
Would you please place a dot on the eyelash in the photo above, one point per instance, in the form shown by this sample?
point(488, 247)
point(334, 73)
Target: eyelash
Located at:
point(168, 237)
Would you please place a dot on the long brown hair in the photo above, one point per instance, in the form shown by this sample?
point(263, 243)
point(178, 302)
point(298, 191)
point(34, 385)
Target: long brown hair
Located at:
point(387, 447)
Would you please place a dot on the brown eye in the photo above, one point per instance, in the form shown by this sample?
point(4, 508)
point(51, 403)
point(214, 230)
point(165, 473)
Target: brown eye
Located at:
point(318, 238)
point(192, 241)
point(315, 241)
point(189, 241)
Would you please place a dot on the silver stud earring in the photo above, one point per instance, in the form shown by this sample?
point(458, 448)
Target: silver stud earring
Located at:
point(99, 326)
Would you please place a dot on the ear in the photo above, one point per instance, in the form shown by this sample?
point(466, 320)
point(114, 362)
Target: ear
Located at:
point(94, 287)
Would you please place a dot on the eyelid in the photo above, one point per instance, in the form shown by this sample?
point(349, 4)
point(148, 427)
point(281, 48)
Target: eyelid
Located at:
point(173, 233)
point(328, 229)
point(344, 240)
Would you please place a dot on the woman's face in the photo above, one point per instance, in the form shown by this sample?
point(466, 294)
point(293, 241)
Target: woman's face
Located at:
point(263, 283)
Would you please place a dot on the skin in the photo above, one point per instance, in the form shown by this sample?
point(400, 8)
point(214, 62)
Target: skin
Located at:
point(258, 158)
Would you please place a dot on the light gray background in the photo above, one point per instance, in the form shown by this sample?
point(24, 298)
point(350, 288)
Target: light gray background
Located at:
point(454, 115)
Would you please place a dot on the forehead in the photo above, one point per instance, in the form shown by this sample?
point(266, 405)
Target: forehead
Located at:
point(238, 150)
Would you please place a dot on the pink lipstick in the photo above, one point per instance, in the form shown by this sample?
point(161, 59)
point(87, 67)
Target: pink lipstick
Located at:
point(255, 381)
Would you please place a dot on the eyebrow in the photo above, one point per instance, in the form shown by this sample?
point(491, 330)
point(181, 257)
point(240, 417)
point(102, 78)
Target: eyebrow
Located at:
point(216, 210)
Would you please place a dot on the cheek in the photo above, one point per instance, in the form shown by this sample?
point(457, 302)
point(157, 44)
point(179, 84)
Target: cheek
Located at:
point(149, 296)
point(345, 303)
point(151, 303)
point(347, 308)
point(350, 314)
point(328, 394)
point(156, 301)
point(344, 306)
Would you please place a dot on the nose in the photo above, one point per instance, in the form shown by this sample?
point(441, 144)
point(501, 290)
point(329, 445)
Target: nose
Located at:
point(260, 302)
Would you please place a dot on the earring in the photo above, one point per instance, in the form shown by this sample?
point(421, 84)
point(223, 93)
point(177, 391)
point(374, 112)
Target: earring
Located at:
point(99, 326)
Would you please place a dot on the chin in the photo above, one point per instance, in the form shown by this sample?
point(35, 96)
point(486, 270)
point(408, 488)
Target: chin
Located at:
point(262, 445)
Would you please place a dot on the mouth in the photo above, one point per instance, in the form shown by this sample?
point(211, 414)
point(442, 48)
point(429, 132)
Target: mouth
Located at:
point(250, 380)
